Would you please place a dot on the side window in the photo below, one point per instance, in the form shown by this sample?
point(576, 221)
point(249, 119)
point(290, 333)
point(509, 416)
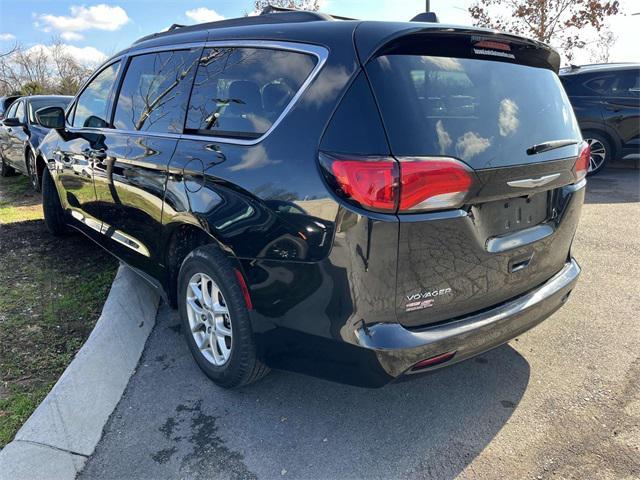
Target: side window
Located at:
point(20, 113)
point(93, 104)
point(240, 92)
point(602, 84)
point(629, 84)
point(155, 91)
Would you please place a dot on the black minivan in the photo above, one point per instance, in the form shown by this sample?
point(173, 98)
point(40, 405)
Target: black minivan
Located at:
point(355, 200)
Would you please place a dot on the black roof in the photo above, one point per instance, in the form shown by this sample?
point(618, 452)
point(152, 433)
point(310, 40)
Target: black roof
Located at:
point(314, 28)
point(269, 16)
point(598, 67)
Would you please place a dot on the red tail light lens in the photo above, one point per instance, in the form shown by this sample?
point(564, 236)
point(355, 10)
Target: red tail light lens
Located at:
point(582, 165)
point(408, 186)
point(433, 183)
point(372, 183)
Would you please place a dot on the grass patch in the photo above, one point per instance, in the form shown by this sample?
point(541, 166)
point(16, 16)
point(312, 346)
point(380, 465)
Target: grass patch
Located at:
point(17, 407)
point(52, 294)
point(18, 202)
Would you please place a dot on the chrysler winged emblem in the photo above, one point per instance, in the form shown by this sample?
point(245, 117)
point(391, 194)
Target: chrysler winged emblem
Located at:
point(533, 182)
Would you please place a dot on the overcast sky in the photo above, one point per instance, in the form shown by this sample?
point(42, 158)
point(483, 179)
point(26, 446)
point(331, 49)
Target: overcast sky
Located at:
point(93, 30)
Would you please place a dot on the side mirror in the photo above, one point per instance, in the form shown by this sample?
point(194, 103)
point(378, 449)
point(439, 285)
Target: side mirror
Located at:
point(51, 117)
point(12, 122)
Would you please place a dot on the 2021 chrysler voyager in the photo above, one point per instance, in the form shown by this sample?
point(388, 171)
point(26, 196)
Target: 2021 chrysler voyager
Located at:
point(355, 200)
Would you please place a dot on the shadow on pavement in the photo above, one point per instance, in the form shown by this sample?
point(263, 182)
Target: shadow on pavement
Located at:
point(174, 423)
point(614, 185)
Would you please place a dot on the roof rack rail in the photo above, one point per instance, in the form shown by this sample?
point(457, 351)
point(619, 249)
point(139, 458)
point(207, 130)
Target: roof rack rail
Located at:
point(269, 15)
point(322, 16)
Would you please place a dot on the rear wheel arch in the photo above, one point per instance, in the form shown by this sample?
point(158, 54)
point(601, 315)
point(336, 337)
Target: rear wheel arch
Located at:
point(182, 240)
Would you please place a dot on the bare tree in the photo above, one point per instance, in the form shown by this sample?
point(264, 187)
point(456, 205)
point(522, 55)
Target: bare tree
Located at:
point(601, 48)
point(70, 73)
point(41, 69)
point(561, 23)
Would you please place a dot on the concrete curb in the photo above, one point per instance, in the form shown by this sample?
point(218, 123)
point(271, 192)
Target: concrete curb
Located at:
point(64, 430)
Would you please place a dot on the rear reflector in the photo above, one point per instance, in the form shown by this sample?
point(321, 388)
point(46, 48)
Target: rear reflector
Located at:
point(430, 362)
point(245, 290)
point(410, 185)
point(582, 164)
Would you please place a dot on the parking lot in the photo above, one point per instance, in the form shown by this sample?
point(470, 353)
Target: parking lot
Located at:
point(561, 401)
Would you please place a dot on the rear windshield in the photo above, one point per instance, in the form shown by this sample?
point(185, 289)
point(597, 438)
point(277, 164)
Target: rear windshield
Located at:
point(484, 112)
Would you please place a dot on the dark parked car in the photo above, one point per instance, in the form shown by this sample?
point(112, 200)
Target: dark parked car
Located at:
point(5, 103)
point(21, 133)
point(606, 101)
point(356, 200)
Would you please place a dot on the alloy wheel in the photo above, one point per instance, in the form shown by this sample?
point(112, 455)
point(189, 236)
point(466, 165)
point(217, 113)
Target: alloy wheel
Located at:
point(598, 154)
point(209, 319)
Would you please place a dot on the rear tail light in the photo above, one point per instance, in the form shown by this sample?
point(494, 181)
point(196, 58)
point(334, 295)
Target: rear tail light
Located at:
point(408, 186)
point(582, 164)
point(433, 183)
point(372, 183)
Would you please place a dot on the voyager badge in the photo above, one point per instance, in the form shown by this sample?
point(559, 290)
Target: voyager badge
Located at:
point(418, 301)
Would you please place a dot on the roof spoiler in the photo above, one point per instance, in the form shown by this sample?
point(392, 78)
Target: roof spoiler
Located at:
point(430, 17)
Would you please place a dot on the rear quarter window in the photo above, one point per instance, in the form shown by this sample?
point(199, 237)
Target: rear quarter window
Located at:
point(241, 92)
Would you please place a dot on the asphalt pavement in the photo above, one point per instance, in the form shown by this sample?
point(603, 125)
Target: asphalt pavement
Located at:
point(561, 401)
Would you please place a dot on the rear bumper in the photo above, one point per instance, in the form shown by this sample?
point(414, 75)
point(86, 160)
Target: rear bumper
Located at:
point(398, 349)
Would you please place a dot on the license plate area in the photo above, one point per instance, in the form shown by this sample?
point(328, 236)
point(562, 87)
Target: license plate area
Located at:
point(511, 215)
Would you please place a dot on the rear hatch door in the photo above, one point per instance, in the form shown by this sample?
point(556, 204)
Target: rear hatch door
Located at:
point(495, 103)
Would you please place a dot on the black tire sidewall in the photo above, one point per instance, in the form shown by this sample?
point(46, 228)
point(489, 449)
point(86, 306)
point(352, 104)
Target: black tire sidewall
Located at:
point(52, 209)
point(237, 370)
point(607, 145)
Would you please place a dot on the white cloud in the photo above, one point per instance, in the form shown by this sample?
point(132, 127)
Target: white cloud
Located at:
point(7, 36)
point(471, 144)
point(71, 36)
point(508, 117)
point(99, 17)
point(203, 15)
point(88, 56)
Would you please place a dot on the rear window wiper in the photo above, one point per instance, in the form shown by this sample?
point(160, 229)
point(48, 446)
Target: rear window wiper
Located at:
point(552, 145)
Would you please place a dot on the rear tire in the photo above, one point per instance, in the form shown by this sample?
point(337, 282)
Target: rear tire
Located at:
point(215, 319)
point(601, 151)
point(53, 213)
